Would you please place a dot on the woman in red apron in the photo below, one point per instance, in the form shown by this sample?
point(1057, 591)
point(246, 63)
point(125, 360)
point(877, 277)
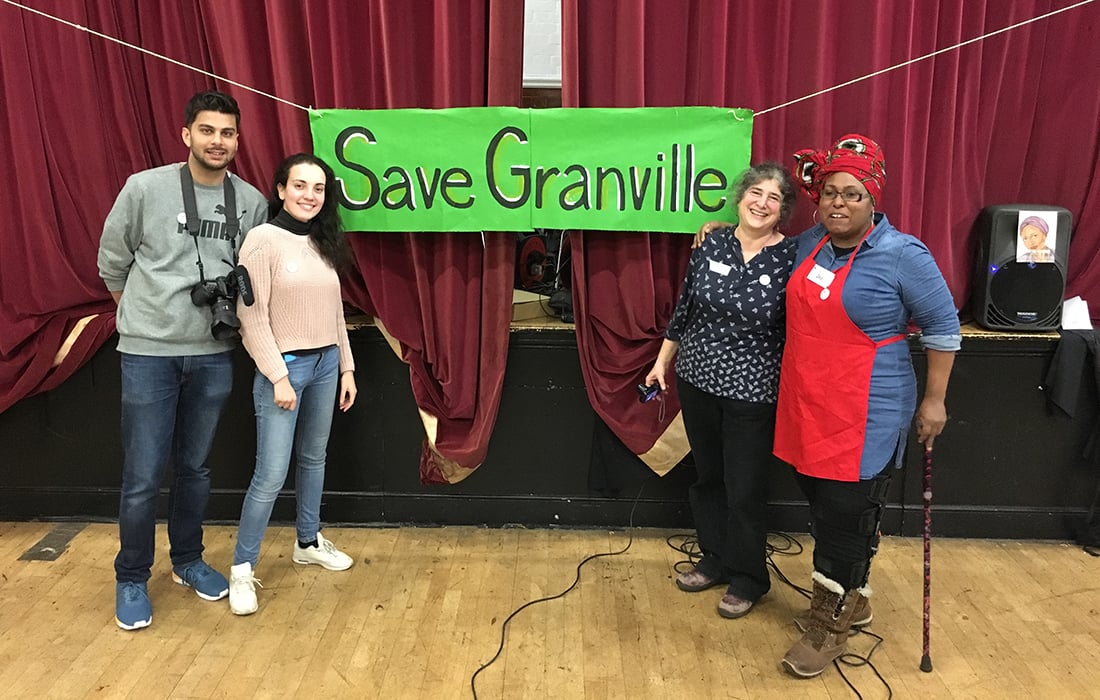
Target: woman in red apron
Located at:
point(847, 390)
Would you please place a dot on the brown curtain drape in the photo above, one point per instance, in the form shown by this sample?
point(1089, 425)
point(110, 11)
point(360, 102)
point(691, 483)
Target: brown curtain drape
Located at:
point(1011, 119)
point(77, 122)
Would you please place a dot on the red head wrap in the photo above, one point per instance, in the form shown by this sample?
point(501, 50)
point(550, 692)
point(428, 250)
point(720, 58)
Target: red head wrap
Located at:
point(852, 153)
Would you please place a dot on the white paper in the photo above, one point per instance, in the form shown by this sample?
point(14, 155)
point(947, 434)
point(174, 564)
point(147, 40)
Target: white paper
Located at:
point(1075, 315)
point(719, 267)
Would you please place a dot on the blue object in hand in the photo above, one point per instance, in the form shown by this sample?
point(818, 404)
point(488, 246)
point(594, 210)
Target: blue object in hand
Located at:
point(647, 393)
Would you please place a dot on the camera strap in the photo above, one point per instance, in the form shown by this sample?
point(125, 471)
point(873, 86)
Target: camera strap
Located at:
point(191, 211)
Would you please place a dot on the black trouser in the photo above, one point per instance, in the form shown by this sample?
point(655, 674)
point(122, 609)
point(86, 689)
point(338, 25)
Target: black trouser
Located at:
point(845, 524)
point(731, 442)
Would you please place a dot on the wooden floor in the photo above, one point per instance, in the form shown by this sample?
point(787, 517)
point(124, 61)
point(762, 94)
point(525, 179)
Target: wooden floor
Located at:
point(422, 609)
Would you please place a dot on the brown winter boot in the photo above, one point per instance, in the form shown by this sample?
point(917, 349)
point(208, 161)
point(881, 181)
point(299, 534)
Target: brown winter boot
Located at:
point(831, 612)
point(861, 616)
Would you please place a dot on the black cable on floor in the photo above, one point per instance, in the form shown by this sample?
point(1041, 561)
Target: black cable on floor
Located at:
point(778, 544)
point(576, 580)
point(853, 659)
point(783, 544)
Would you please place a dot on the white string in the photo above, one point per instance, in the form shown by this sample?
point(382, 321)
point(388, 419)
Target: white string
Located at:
point(154, 54)
point(756, 114)
point(921, 58)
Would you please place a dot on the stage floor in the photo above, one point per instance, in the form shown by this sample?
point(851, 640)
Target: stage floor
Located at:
point(422, 609)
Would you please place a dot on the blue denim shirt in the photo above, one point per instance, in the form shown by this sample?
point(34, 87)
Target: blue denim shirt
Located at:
point(893, 279)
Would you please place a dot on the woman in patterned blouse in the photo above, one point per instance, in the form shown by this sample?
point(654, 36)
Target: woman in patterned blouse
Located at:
point(727, 335)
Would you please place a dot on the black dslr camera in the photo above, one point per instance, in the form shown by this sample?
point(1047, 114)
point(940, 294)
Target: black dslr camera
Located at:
point(220, 295)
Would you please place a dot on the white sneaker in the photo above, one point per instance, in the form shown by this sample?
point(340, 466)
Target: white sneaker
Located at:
point(242, 589)
point(325, 554)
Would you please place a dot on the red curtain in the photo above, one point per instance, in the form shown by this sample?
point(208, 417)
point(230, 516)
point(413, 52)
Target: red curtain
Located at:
point(1010, 119)
point(78, 124)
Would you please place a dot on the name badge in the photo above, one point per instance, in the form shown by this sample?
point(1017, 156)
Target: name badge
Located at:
point(719, 267)
point(821, 277)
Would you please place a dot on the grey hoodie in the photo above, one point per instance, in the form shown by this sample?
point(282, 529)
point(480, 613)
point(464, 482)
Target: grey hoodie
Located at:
point(147, 253)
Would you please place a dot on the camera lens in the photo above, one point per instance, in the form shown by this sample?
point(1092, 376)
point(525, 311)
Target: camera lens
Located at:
point(226, 325)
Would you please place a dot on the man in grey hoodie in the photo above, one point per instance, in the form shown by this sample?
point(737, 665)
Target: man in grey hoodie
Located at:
point(170, 228)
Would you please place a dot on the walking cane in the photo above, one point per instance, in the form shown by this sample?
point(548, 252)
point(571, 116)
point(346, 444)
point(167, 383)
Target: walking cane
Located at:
point(926, 658)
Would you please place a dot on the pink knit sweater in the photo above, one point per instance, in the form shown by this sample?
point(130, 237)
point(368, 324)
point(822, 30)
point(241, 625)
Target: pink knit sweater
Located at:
point(298, 302)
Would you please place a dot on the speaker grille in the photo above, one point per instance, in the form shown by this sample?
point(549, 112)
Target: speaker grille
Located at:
point(1010, 295)
point(1026, 295)
point(995, 319)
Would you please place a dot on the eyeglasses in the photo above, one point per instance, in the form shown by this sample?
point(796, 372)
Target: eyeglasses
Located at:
point(851, 196)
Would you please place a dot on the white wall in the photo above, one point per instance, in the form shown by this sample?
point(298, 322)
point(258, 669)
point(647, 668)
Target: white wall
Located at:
point(542, 43)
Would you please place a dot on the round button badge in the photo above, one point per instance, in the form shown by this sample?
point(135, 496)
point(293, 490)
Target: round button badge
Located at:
point(824, 294)
point(765, 280)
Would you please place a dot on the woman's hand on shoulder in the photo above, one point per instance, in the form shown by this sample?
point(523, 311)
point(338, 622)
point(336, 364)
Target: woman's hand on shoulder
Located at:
point(707, 229)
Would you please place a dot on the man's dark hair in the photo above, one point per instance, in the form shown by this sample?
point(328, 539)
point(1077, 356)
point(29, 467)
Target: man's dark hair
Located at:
point(210, 101)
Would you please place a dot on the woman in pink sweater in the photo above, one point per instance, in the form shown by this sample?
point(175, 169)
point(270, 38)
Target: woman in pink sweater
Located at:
point(295, 333)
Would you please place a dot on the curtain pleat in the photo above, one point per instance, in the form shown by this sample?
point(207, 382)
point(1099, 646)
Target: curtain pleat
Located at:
point(77, 122)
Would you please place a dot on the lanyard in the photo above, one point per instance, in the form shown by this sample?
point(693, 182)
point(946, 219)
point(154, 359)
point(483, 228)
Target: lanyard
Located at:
point(191, 211)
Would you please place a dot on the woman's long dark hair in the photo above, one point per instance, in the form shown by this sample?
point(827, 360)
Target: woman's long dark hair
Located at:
point(324, 229)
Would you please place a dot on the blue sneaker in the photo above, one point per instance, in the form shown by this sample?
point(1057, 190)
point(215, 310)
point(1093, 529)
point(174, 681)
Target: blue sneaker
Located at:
point(208, 584)
point(132, 607)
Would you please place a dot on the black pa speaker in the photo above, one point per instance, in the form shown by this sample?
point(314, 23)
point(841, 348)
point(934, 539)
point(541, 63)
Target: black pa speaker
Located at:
point(1020, 275)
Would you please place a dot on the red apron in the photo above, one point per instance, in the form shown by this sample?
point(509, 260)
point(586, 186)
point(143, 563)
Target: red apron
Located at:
point(825, 380)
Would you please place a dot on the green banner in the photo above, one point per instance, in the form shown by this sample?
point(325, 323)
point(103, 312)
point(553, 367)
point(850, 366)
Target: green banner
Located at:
point(510, 169)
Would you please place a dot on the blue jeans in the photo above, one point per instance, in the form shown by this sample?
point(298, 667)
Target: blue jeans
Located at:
point(170, 410)
point(304, 430)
